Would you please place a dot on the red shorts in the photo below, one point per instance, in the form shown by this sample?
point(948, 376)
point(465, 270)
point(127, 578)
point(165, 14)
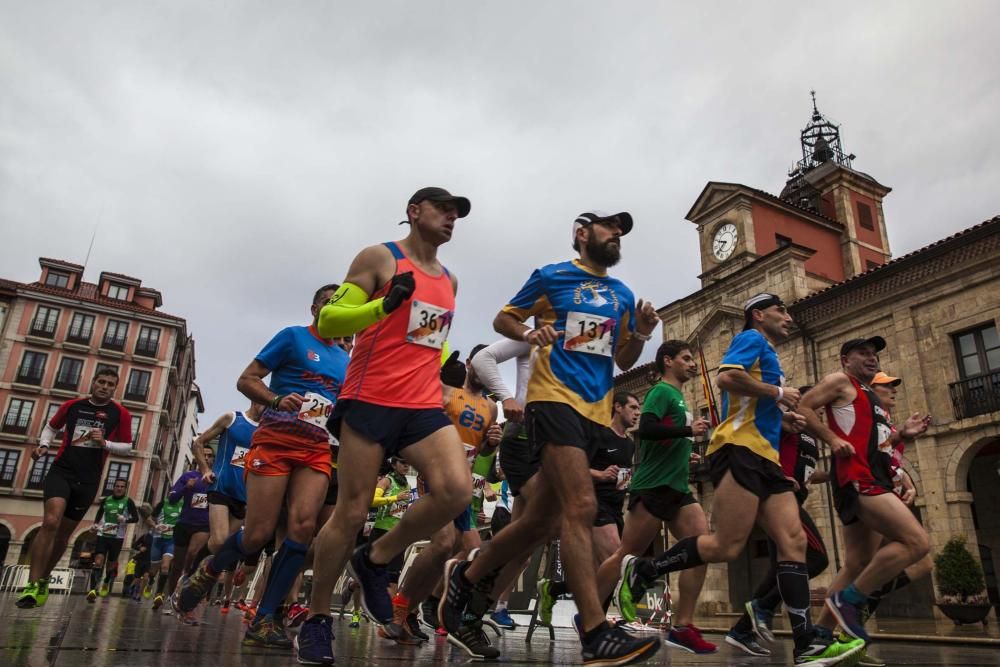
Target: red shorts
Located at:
point(272, 459)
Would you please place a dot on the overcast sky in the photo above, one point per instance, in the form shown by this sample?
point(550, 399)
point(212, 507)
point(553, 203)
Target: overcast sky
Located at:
point(237, 155)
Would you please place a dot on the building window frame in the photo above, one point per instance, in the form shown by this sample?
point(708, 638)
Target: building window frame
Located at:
point(115, 472)
point(32, 372)
point(117, 291)
point(981, 352)
point(147, 343)
point(115, 335)
point(865, 218)
point(57, 279)
point(39, 470)
point(61, 381)
point(45, 322)
point(10, 459)
point(135, 428)
point(81, 323)
point(18, 422)
point(137, 387)
point(977, 391)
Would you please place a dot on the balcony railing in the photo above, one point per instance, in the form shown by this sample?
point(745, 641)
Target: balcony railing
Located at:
point(16, 424)
point(137, 394)
point(147, 349)
point(66, 383)
point(29, 376)
point(43, 329)
point(976, 395)
point(78, 337)
point(116, 343)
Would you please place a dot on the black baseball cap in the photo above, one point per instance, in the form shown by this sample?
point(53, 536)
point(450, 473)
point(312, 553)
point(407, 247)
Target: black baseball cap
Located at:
point(442, 195)
point(759, 302)
point(590, 217)
point(875, 341)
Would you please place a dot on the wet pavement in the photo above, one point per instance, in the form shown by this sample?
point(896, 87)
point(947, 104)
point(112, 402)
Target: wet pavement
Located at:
point(69, 632)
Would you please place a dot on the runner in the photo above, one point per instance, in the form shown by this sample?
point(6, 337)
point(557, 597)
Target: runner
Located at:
point(589, 322)
point(227, 492)
point(401, 299)
point(289, 457)
point(191, 529)
point(799, 456)
point(115, 511)
point(392, 498)
point(93, 426)
point(660, 495)
point(860, 435)
point(161, 554)
point(749, 483)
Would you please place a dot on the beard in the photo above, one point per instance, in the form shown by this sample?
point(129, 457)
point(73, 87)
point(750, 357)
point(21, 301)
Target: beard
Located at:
point(608, 253)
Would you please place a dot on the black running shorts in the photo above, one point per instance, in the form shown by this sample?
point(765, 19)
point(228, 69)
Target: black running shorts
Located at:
point(183, 533)
point(393, 428)
point(753, 472)
point(236, 508)
point(79, 495)
point(518, 460)
point(663, 502)
point(549, 422)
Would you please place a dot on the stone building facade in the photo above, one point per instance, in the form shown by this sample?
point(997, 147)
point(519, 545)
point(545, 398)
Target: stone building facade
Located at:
point(822, 247)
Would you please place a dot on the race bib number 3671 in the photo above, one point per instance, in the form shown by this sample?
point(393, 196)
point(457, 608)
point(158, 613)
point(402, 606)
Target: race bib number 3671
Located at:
point(429, 325)
point(589, 333)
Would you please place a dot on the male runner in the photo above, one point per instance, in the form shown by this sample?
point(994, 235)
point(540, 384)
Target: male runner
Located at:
point(400, 300)
point(799, 456)
point(93, 426)
point(588, 323)
point(660, 494)
point(227, 492)
point(289, 456)
point(115, 511)
point(191, 529)
point(161, 554)
point(861, 437)
point(749, 483)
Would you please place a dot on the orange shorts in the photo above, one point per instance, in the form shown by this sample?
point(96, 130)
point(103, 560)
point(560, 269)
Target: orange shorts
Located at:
point(272, 459)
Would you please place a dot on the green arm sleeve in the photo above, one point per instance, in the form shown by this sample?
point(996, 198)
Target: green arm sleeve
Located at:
point(348, 312)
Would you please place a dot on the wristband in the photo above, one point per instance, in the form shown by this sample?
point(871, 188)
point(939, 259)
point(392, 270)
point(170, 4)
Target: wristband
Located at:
point(276, 401)
point(781, 394)
point(527, 332)
point(643, 337)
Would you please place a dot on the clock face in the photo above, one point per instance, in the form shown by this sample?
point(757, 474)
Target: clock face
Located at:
point(724, 242)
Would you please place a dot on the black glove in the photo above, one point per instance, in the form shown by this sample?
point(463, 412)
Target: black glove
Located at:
point(453, 371)
point(400, 289)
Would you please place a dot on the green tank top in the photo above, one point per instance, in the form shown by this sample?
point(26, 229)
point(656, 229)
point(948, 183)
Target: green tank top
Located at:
point(389, 515)
point(114, 508)
point(169, 514)
point(480, 471)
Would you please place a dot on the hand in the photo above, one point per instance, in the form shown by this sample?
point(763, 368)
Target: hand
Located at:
point(544, 336)
point(97, 435)
point(700, 427)
point(38, 452)
point(191, 482)
point(818, 477)
point(493, 435)
point(208, 477)
point(95, 528)
point(793, 422)
point(610, 474)
point(400, 289)
point(790, 398)
point(914, 426)
point(646, 318)
point(795, 482)
point(489, 493)
point(453, 371)
point(161, 527)
point(512, 410)
point(404, 497)
point(291, 403)
point(909, 496)
point(842, 448)
point(694, 459)
point(121, 518)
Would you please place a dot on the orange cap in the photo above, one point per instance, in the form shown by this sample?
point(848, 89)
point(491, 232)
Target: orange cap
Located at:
point(882, 378)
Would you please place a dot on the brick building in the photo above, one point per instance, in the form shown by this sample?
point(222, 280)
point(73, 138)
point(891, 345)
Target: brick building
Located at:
point(822, 246)
point(54, 334)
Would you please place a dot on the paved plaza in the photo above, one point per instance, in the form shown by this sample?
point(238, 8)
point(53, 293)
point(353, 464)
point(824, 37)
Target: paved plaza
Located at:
point(68, 631)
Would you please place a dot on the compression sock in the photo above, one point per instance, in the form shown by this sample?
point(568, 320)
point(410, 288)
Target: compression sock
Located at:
point(682, 556)
point(285, 567)
point(793, 582)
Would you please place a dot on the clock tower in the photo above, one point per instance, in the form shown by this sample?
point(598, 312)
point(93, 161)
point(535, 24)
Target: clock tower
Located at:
point(826, 206)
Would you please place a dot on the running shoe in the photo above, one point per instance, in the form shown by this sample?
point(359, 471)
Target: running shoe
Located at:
point(688, 638)
point(869, 660)
point(399, 628)
point(157, 602)
point(250, 614)
point(471, 639)
point(241, 604)
point(217, 602)
point(762, 621)
point(503, 620)
point(167, 611)
point(267, 633)
point(458, 593)
point(747, 643)
point(374, 583)
point(615, 646)
point(440, 632)
point(546, 601)
point(91, 595)
point(848, 616)
point(296, 614)
point(356, 619)
point(104, 590)
point(825, 652)
point(192, 590)
point(42, 596)
point(429, 612)
point(29, 596)
point(225, 607)
point(631, 586)
point(414, 626)
point(314, 643)
point(147, 592)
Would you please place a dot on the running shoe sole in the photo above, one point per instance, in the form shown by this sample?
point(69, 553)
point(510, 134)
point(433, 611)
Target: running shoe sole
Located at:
point(764, 635)
point(295, 645)
point(673, 644)
point(364, 602)
point(732, 641)
point(449, 569)
point(638, 655)
point(615, 596)
point(841, 621)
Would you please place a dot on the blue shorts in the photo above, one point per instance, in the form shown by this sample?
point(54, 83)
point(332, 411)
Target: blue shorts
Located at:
point(464, 520)
point(162, 546)
point(393, 428)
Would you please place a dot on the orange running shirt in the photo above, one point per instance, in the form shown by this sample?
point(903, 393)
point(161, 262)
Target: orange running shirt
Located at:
point(470, 413)
point(396, 363)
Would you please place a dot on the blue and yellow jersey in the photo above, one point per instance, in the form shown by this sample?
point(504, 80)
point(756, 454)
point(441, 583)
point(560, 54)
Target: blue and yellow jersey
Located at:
point(748, 421)
point(597, 314)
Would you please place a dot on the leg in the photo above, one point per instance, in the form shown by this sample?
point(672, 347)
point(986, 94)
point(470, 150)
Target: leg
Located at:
point(689, 522)
point(43, 545)
point(908, 542)
point(425, 571)
point(198, 543)
point(641, 528)
point(63, 533)
point(780, 519)
point(220, 527)
point(606, 541)
point(860, 545)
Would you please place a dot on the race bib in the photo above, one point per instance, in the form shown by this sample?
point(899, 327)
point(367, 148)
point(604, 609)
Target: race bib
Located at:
point(589, 333)
point(199, 501)
point(478, 485)
point(624, 478)
point(81, 438)
point(429, 325)
point(315, 409)
point(807, 472)
point(239, 453)
point(399, 509)
point(109, 528)
point(884, 437)
point(470, 453)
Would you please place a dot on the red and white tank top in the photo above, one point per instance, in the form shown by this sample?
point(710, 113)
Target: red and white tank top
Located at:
point(865, 424)
point(397, 362)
